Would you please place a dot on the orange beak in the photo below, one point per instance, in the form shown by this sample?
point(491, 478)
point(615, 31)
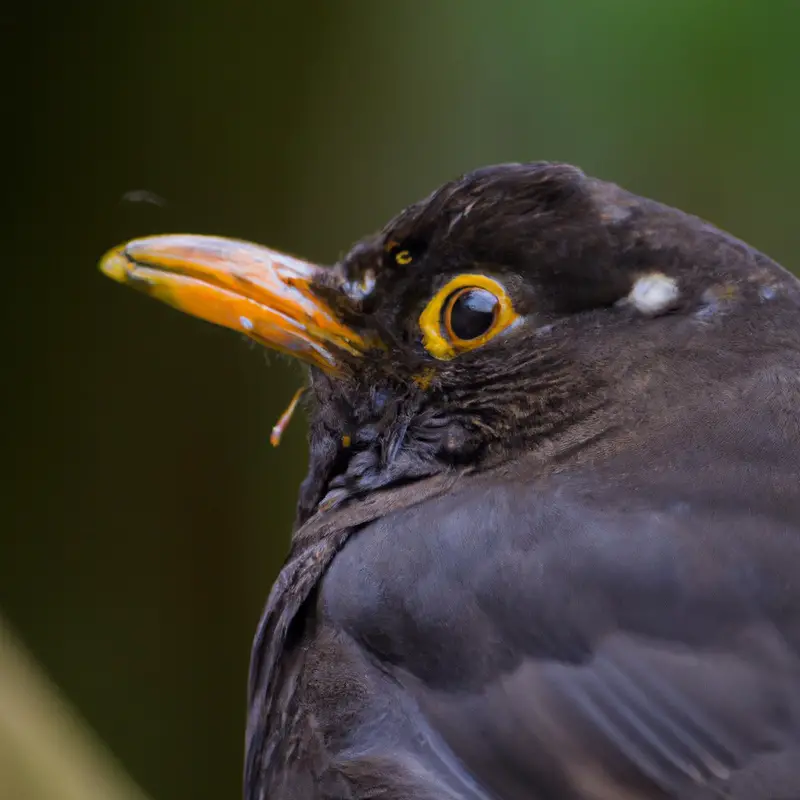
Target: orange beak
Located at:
point(262, 293)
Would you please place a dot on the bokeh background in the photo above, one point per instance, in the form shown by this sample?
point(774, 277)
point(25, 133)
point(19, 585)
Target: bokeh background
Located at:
point(144, 514)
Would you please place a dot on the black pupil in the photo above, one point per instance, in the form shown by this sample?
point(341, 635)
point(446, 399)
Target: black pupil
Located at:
point(472, 313)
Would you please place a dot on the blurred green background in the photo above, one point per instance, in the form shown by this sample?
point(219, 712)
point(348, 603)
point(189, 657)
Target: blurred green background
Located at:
point(144, 513)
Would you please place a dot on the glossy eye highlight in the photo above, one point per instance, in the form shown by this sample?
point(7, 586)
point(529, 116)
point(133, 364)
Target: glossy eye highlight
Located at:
point(464, 314)
point(469, 313)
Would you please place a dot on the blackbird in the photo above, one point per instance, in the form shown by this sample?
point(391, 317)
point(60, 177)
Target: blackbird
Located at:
point(548, 545)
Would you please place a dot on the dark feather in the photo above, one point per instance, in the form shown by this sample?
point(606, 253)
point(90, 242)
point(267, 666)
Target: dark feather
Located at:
point(566, 564)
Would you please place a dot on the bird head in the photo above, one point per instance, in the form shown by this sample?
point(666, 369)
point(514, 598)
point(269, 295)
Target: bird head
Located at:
point(499, 314)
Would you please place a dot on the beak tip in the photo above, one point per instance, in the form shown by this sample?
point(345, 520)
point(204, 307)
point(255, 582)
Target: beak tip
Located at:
point(114, 264)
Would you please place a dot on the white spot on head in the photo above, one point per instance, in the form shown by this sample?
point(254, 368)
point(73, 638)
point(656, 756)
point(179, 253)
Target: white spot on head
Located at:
point(615, 212)
point(246, 323)
point(654, 293)
point(768, 292)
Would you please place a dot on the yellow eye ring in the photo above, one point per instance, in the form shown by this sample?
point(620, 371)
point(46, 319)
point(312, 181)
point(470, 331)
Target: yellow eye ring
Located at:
point(403, 257)
point(436, 321)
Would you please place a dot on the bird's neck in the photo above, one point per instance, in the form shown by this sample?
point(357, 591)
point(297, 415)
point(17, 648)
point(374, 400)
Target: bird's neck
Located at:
point(402, 436)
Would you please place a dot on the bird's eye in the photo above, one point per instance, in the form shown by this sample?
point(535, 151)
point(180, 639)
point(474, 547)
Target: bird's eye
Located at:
point(465, 314)
point(469, 313)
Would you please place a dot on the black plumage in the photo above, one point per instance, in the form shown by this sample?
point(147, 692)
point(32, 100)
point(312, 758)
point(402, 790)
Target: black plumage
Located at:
point(562, 564)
